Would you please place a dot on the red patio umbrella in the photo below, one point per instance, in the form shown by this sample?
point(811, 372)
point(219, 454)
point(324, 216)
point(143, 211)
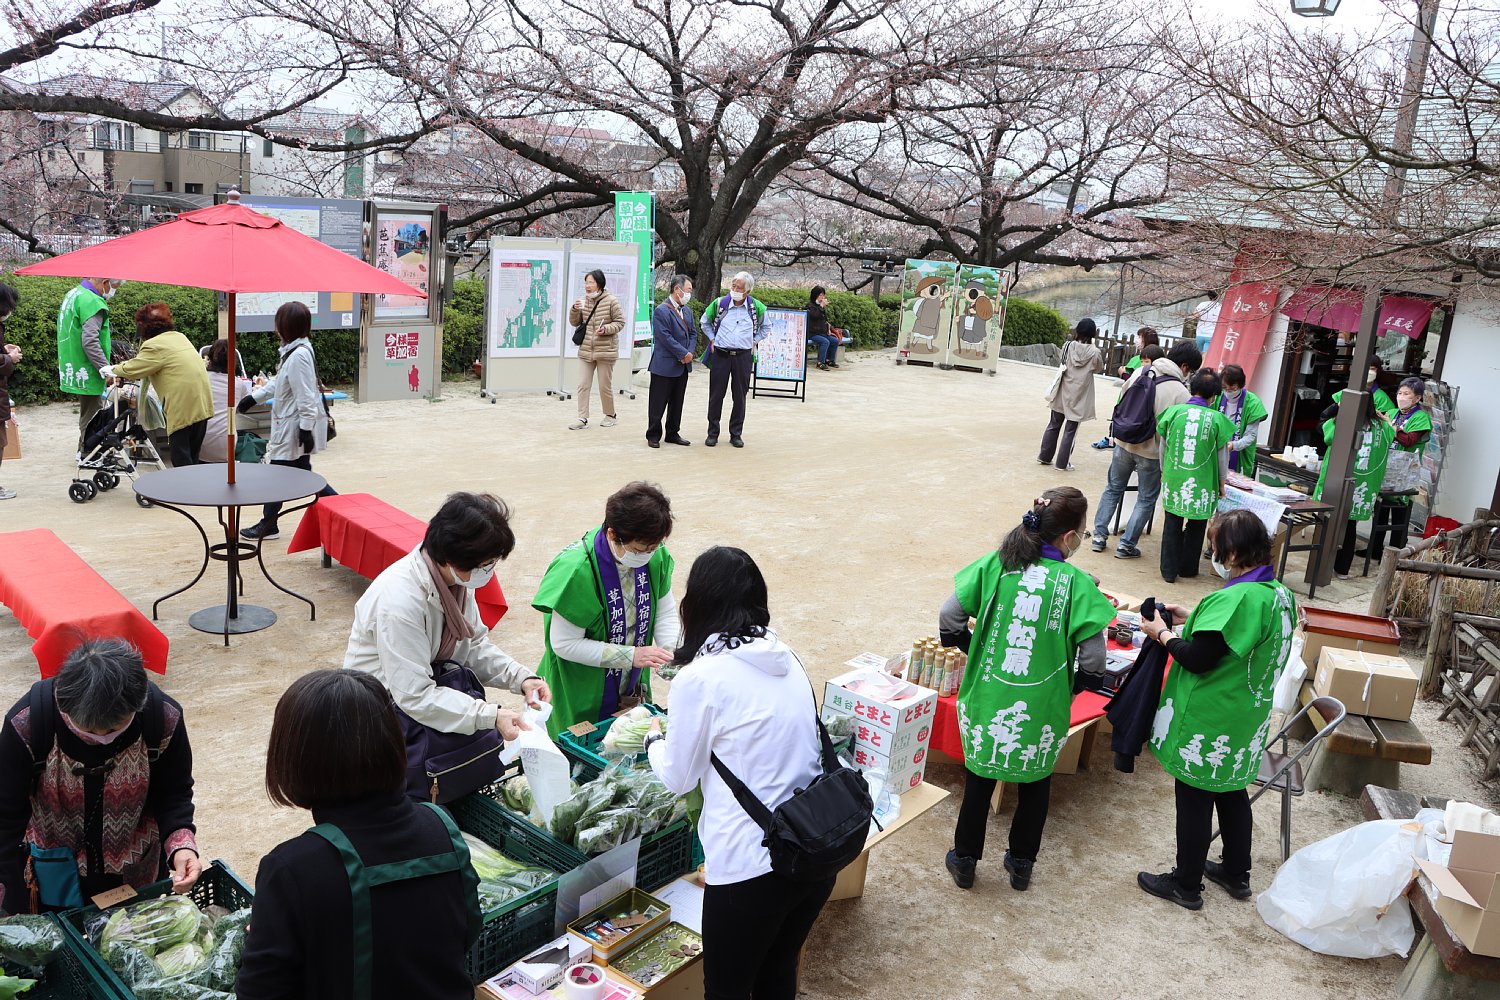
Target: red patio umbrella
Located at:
point(228, 248)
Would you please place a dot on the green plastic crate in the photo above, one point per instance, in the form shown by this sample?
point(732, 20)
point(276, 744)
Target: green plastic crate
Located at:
point(586, 749)
point(218, 885)
point(523, 925)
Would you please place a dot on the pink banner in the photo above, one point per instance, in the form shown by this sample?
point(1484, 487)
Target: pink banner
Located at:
point(1320, 305)
point(1243, 322)
point(1401, 314)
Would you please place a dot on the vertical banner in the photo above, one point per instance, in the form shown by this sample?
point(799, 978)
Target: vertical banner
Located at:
point(635, 222)
point(403, 248)
point(1243, 321)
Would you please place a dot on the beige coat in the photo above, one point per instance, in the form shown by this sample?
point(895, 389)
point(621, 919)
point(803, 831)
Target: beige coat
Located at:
point(602, 342)
point(1075, 393)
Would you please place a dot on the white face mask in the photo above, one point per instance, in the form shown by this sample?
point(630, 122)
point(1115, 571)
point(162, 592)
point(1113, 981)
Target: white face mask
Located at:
point(1220, 568)
point(635, 560)
point(477, 579)
point(109, 292)
point(737, 297)
point(681, 298)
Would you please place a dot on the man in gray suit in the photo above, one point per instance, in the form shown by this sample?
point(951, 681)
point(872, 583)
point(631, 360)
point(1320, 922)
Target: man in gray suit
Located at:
point(674, 338)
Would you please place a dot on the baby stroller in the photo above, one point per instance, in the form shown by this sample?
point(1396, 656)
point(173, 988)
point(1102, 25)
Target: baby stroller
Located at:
point(114, 444)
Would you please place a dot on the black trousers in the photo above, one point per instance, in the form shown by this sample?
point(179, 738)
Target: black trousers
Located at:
point(1400, 517)
point(271, 511)
point(730, 372)
point(1181, 546)
point(183, 444)
point(753, 933)
point(1195, 821)
point(1050, 442)
point(1343, 560)
point(1032, 799)
point(667, 393)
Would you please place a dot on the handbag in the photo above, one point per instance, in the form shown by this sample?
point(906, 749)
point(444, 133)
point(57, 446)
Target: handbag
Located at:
point(443, 766)
point(822, 828)
point(581, 331)
point(1062, 366)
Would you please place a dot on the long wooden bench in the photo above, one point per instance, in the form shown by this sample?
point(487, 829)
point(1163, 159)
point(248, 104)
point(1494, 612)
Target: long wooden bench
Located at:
point(60, 600)
point(1364, 751)
point(1440, 965)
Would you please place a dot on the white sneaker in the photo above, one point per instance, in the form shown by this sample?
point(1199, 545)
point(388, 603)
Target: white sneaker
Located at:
point(579, 424)
point(607, 422)
point(6, 494)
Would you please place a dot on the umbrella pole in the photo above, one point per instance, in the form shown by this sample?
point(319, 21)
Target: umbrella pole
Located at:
point(233, 374)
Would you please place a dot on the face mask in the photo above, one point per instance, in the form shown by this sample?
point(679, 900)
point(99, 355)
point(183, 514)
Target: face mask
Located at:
point(94, 739)
point(1372, 377)
point(635, 560)
point(1220, 568)
point(109, 292)
point(737, 297)
point(476, 579)
point(680, 298)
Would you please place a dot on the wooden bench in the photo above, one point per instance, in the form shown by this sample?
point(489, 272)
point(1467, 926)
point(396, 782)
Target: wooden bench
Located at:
point(1440, 965)
point(1364, 751)
point(60, 600)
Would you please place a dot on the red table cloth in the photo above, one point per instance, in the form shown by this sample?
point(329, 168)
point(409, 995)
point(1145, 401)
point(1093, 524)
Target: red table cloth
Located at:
point(367, 534)
point(60, 601)
point(1087, 706)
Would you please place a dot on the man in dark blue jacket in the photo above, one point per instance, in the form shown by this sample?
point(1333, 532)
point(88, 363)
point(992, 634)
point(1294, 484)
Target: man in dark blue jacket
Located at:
point(674, 339)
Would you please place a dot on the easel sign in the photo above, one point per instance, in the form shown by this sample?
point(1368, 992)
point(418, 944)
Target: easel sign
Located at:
point(781, 356)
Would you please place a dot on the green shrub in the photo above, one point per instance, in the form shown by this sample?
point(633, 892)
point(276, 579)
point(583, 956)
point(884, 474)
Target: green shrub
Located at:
point(1031, 323)
point(463, 327)
point(865, 321)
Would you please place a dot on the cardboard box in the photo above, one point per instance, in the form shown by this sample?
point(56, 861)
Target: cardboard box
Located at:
point(1367, 683)
point(632, 900)
point(538, 977)
point(903, 771)
point(881, 701)
point(1469, 891)
point(1330, 629)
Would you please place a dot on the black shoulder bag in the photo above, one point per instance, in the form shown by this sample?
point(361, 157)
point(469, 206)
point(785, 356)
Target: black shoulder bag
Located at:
point(581, 331)
point(822, 828)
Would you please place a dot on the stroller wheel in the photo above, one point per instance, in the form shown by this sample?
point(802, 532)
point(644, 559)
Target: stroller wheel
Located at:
point(143, 502)
point(106, 481)
point(81, 491)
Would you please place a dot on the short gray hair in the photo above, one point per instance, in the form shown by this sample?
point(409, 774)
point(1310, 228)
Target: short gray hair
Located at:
point(679, 280)
point(747, 279)
point(102, 683)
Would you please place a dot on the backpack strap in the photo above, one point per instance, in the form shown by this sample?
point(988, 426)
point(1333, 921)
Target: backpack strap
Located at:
point(43, 736)
point(154, 722)
point(361, 879)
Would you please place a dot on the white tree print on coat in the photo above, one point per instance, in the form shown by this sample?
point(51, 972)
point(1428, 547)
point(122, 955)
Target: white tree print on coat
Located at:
point(1044, 745)
point(963, 730)
point(1239, 757)
point(1005, 730)
point(1216, 755)
point(1027, 756)
point(1193, 752)
point(1162, 724)
point(1258, 741)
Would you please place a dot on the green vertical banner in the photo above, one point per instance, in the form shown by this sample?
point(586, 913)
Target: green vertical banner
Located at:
point(635, 222)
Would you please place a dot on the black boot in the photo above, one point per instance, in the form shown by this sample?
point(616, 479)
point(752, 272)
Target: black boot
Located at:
point(962, 870)
point(1167, 887)
point(1020, 872)
point(1237, 886)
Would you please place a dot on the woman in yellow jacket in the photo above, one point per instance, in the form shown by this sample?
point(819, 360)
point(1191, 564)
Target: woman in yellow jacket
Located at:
point(599, 313)
point(177, 371)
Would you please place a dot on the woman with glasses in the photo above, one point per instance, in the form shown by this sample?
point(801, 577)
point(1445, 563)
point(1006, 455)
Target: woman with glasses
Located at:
point(608, 616)
point(417, 630)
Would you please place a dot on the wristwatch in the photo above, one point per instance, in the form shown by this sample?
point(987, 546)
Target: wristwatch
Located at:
point(653, 738)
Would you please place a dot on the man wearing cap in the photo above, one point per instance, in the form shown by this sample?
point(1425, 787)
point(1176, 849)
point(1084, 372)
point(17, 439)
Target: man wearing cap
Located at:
point(83, 345)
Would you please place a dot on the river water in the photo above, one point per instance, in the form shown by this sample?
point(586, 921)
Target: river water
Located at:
point(1076, 294)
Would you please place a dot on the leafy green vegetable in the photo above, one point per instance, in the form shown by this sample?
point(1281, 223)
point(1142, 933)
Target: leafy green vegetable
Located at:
point(29, 939)
point(137, 941)
point(502, 879)
point(516, 793)
point(12, 986)
point(620, 804)
point(155, 925)
point(627, 734)
point(180, 959)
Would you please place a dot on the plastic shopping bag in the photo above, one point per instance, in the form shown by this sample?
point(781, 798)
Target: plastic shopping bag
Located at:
point(547, 770)
point(1289, 684)
point(1345, 895)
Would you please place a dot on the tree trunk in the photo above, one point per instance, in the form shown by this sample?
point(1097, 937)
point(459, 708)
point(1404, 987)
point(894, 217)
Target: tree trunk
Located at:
point(707, 271)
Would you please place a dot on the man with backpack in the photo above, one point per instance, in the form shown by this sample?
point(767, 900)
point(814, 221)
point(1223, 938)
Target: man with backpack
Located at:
point(1150, 392)
point(734, 324)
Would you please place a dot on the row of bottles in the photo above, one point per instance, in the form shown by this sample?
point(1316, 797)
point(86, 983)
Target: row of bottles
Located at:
point(934, 666)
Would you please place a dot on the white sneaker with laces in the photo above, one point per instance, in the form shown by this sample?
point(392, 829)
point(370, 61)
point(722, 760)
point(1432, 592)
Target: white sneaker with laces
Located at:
point(579, 424)
point(6, 494)
point(607, 422)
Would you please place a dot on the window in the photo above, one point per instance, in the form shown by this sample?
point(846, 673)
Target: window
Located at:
point(268, 149)
point(192, 188)
point(114, 135)
point(166, 185)
point(142, 187)
point(200, 140)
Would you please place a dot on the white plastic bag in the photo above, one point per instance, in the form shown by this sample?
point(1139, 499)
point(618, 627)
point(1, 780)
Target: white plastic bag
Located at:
point(1289, 684)
point(1344, 895)
point(547, 770)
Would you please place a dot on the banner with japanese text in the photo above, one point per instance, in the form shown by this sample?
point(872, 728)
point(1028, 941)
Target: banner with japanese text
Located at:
point(635, 222)
point(1244, 320)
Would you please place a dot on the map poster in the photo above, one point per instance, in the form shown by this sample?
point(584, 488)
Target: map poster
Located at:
point(339, 223)
point(782, 353)
point(620, 273)
point(527, 303)
point(403, 248)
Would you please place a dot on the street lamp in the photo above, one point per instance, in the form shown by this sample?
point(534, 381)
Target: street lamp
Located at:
point(1315, 8)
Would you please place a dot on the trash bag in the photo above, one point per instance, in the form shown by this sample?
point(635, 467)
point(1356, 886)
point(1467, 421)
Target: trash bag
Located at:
point(1345, 895)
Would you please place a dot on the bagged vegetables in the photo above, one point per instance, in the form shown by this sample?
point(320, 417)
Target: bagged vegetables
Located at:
point(621, 804)
point(29, 939)
point(168, 949)
point(627, 734)
point(502, 879)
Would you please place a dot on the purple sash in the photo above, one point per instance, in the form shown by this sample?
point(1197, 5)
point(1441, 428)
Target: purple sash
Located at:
point(614, 613)
point(1402, 416)
point(1050, 551)
point(1260, 574)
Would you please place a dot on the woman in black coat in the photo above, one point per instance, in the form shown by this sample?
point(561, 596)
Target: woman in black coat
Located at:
point(337, 750)
point(827, 338)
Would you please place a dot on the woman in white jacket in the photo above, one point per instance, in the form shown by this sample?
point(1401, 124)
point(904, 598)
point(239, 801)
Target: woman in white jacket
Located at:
point(744, 697)
point(299, 424)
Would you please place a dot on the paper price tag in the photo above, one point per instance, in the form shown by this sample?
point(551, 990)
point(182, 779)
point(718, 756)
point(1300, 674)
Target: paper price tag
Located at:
point(582, 729)
point(113, 897)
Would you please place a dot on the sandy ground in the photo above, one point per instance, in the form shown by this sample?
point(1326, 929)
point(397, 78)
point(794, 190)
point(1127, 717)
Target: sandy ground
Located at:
point(859, 505)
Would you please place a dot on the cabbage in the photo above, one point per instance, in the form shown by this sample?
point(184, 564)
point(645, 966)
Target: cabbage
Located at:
point(155, 925)
point(516, 793)
point(180, 959)
point(11, 986)
point(144, 944)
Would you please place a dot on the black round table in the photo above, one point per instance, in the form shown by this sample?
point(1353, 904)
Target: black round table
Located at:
point(208, 486)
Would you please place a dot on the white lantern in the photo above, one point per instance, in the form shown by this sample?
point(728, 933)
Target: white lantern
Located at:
point(1315, 8)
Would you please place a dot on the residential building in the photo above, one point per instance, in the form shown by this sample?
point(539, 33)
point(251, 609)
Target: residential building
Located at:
point(285, 167)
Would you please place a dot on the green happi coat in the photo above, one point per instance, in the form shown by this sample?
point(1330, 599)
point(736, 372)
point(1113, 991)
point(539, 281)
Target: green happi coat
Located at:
point(1382, 401)
point(75, 373)
point(1418, 422)
point(1017, 696)
point(571, 587)
point(1251, 411)
point(1191, 438)
point(1372, 446)
point(1210, 728)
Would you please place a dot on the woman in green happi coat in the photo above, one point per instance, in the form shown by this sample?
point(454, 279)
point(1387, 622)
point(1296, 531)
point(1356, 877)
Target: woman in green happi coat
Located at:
point(1035, 615)
point(608, 615)
point(1215, 711)
point(1372, 446)
point(1412, 425)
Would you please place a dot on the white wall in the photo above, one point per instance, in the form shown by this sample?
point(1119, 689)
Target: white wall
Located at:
point(1265, 380)
point(1473, 458)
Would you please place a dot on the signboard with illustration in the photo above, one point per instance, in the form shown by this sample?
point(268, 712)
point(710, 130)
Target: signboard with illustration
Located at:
point(403, 248)
point(979, 301)
point(337, 222)
point(781, 355)
point(927, 289)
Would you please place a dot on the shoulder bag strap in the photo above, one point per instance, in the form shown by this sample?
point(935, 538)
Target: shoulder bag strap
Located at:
point(42, 735)
point(153, 724)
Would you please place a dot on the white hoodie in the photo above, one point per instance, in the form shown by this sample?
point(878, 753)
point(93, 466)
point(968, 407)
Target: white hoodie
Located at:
point(753, 707)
